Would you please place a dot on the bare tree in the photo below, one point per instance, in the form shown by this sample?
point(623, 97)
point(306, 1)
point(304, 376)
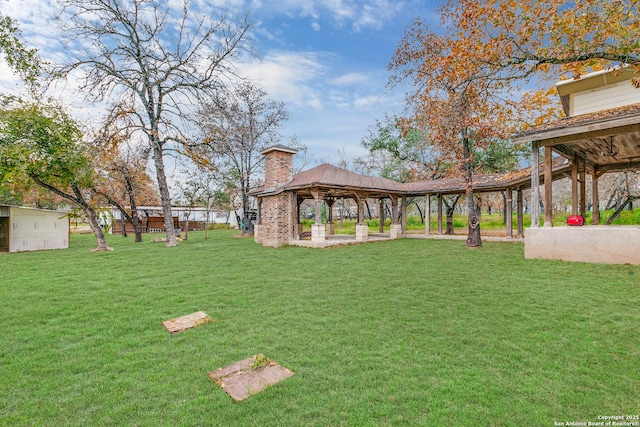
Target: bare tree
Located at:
point(235, 129)
point(158, 56)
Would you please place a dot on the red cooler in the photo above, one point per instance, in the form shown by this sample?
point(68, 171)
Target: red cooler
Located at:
point(575, 220)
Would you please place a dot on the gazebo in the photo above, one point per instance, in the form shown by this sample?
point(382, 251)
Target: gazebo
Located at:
point(279, 200)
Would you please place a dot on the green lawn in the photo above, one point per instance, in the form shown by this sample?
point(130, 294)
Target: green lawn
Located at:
point(403, 332)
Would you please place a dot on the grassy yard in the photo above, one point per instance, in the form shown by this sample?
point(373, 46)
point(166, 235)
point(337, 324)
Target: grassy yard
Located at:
point(404, 332)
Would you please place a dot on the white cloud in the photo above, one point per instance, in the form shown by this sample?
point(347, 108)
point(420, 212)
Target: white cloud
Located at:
point(289, 76)
point(360, 15)
point(350, 79)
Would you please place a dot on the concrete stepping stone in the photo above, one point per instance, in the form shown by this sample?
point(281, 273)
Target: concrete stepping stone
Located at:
point(249, 376)
point(186, 322)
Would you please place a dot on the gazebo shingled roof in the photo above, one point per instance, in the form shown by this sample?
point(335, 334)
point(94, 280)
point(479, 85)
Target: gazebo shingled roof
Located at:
point(327, 179)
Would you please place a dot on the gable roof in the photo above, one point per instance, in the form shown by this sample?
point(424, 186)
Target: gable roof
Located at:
point(331, 180)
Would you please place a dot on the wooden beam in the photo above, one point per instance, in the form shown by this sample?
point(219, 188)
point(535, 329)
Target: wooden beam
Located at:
point(520, 213)
point(595, 199)
point(574, 186)
point(582, 177)
point(381, 216)
point(570, 133)
point(548, 191)
point(535, 185)
point(509, 212)
point(403, 218)
point(439, 213)
point(427, 214)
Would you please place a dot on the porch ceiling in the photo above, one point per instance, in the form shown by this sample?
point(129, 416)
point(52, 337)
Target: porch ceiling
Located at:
point(608, 140)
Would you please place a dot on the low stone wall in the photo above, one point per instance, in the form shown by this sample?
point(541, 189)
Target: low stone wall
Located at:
point(599, 244)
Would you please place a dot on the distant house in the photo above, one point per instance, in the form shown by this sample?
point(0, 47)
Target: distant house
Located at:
point(30, 229)
point(598, 91)
point(152, 220)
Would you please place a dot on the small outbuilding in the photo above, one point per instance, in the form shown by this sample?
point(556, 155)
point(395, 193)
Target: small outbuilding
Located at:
point(31, 229)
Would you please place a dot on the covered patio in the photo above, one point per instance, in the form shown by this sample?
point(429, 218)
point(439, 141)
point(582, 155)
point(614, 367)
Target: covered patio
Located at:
point(324, 185)
point(595, 143)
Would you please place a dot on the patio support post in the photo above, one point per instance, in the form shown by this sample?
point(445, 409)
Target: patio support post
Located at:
point(509, 212)
point(395, 230)
point(548, 191)
point(297, 221)
point(574, 186)
point(427, 214)
point(440, 213)
point(535, 185)
point(403, 218)
point(381, 215)
point(318, 232)
point(330, 201)
point(582, 177)
point(519, 209)
point(394, 209)
point(318, 215)
point(362, 229)
point(595, 199)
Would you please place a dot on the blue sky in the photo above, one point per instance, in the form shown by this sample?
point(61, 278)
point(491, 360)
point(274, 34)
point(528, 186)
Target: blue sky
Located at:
point(326, 59)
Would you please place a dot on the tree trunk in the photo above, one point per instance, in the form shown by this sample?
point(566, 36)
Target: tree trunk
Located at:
point(163, 188)
point(618, 211)
point(450, 210)
point(123, 224)
point(186, 227)
point(134, 208)
point(79, 200)
point(473, 222)
point(92, 217)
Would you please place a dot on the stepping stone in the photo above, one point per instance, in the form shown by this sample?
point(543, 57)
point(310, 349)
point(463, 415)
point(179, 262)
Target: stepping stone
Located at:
point(249, 376)
point(185, 322)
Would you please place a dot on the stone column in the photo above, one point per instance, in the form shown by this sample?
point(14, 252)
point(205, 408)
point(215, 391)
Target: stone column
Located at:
point(257, 226)
point(395, 229)
point(362, 230)
point(318, 232)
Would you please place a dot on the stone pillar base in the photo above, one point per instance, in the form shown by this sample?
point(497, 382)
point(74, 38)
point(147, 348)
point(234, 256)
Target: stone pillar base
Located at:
point(395, 231)
point(330, 228)
point(257, 236)
point(318, 233)
point(362, 232)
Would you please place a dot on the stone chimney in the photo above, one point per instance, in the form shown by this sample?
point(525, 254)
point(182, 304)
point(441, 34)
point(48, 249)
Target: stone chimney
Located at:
point(278, 165)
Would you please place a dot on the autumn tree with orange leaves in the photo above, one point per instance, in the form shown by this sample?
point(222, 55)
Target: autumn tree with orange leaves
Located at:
point(467, 73)
point(519, 39)
point(122, 168)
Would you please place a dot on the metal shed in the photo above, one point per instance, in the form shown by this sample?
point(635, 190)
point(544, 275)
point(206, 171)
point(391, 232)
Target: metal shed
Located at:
point(31, 229)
